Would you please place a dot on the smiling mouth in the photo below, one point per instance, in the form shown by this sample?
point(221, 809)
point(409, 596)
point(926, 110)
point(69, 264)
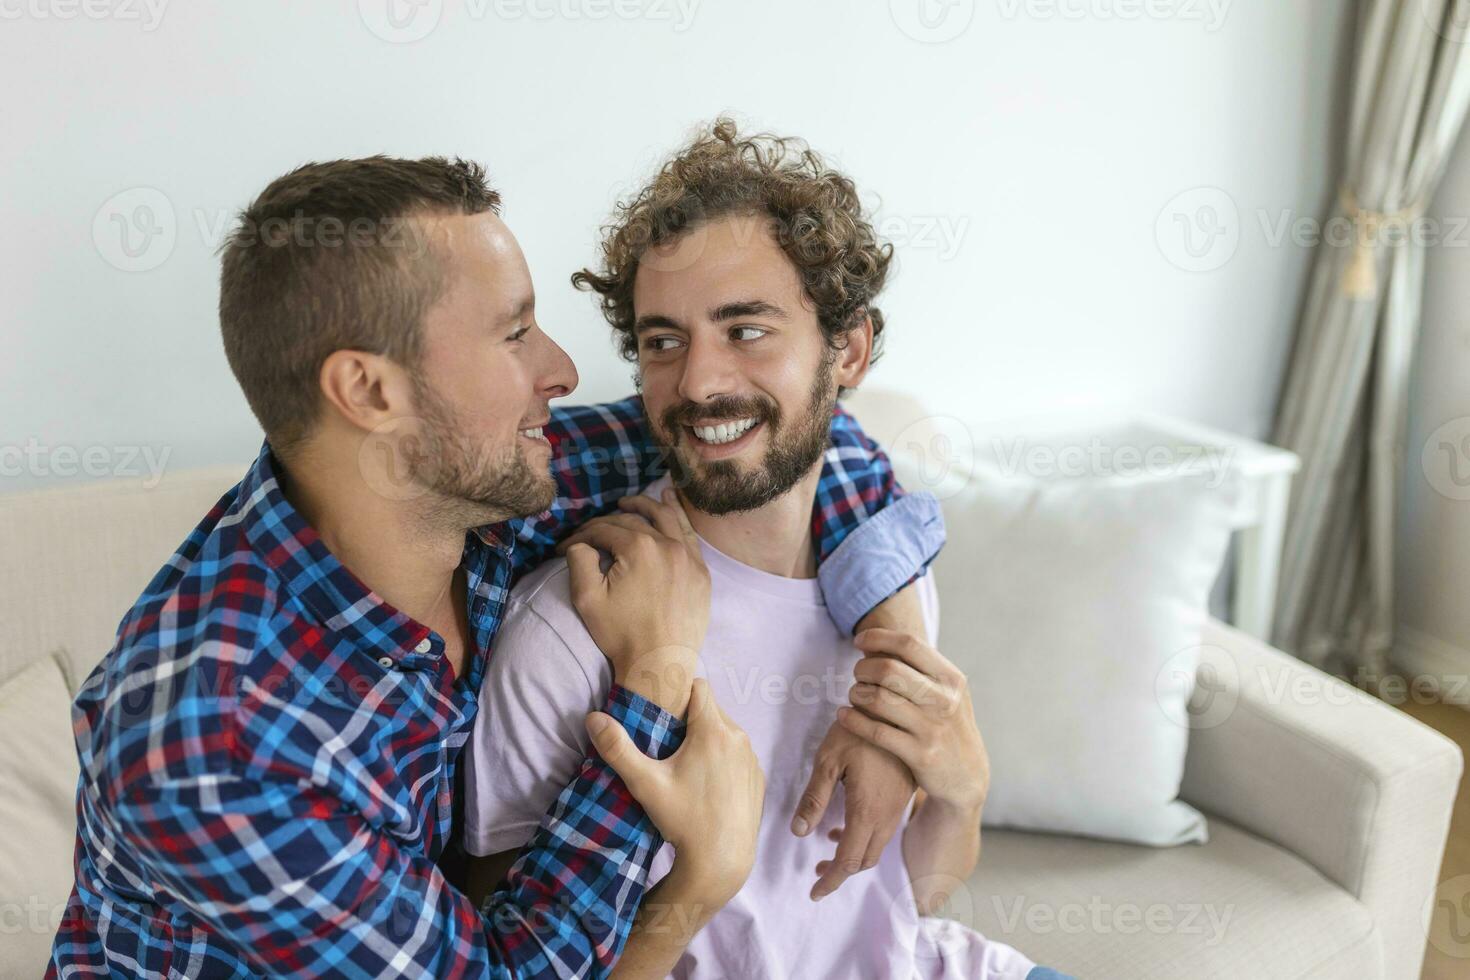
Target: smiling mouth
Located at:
point(722, 432)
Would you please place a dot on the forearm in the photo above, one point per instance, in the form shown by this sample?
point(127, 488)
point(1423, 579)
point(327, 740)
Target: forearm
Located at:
point(662, 676)
point(941, 846)
point(901, 611)
point(671, 913)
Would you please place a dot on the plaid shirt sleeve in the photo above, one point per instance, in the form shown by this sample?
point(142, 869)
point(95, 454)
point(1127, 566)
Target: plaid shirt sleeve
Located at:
point(604, 452)
point(303, 884)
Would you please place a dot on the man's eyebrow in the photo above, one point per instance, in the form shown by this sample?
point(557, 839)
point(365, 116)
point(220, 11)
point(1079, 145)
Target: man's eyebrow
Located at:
point(750, 307)
point(519, 313)
point(655, 321)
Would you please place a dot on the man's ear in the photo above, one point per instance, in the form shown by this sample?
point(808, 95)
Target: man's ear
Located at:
point(855, 354)
point(365, 390)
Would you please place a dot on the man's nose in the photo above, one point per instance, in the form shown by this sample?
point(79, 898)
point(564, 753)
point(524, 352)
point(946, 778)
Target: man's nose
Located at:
point(558, 375)
point(709, 372)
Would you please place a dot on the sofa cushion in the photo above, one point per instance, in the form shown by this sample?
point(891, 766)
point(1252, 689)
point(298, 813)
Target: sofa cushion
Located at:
point(38, 770)
point(1074, 603)
point(1234, 907)
point(77, 557)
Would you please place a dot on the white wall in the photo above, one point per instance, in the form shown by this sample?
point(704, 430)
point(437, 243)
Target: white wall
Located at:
point(1025, 167)
point(1434, 541)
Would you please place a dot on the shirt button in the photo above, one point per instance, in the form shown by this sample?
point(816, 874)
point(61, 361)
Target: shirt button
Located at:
point(385, 661)
point(424, 646)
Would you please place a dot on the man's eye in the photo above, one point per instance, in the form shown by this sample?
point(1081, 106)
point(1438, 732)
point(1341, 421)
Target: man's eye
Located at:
point(519, 334)
point(752, 333)
point(661, 343)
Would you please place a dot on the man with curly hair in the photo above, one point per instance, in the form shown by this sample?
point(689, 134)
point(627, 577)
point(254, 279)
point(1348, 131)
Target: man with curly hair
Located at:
point(742, 282)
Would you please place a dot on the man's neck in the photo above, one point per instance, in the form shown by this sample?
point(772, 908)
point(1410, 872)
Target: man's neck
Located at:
point(388, 544)
point(776, 538)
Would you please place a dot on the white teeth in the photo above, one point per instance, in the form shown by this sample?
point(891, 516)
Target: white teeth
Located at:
point(532, 433)
point(724, 432)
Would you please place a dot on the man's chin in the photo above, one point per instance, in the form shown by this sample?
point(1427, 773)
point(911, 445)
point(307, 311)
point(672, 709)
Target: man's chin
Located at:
point(493, 508)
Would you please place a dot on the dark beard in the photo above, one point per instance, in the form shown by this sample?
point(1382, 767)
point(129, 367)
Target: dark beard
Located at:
point(493, 489)
point(721, 486)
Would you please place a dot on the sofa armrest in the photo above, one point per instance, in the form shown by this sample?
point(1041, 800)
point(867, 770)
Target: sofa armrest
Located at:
point(1353, 786)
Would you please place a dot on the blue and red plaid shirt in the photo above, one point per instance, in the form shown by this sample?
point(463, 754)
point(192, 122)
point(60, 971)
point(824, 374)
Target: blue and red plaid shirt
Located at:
point(269, 751)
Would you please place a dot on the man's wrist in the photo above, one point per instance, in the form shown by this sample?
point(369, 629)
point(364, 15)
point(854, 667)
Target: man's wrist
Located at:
point(901, 611)
point(699, 889)
point(963, 812)
point(663, 675)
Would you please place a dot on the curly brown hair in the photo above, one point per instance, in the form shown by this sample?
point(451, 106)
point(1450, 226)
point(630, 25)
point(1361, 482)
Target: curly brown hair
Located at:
point(816, 217)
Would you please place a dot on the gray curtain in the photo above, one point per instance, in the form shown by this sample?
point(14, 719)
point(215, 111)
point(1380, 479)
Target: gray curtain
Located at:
point(1343, 405)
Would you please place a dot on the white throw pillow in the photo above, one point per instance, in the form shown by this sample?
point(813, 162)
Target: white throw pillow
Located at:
point(38, 788)
point(1074, 605)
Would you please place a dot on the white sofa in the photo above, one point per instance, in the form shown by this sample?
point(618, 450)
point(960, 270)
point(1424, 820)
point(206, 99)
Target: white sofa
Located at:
point(1328, 813)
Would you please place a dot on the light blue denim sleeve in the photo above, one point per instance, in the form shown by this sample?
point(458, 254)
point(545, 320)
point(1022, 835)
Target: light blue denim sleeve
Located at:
point(881, 556)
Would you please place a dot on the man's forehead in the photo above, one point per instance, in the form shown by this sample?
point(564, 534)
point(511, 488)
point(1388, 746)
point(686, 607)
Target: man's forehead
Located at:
point(733, 237)
point(734, 260)
point(486, 262)
point(478, 235)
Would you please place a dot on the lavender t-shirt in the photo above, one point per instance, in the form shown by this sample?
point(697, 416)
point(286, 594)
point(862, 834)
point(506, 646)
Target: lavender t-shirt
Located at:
point(780, 668)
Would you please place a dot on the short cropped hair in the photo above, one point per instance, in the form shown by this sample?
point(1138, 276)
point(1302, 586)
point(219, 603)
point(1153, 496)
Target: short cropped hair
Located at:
point(330, 257)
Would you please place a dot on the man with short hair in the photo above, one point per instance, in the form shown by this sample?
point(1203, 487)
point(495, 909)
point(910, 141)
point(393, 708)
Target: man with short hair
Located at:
point(269, 753)
point(743, 281)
